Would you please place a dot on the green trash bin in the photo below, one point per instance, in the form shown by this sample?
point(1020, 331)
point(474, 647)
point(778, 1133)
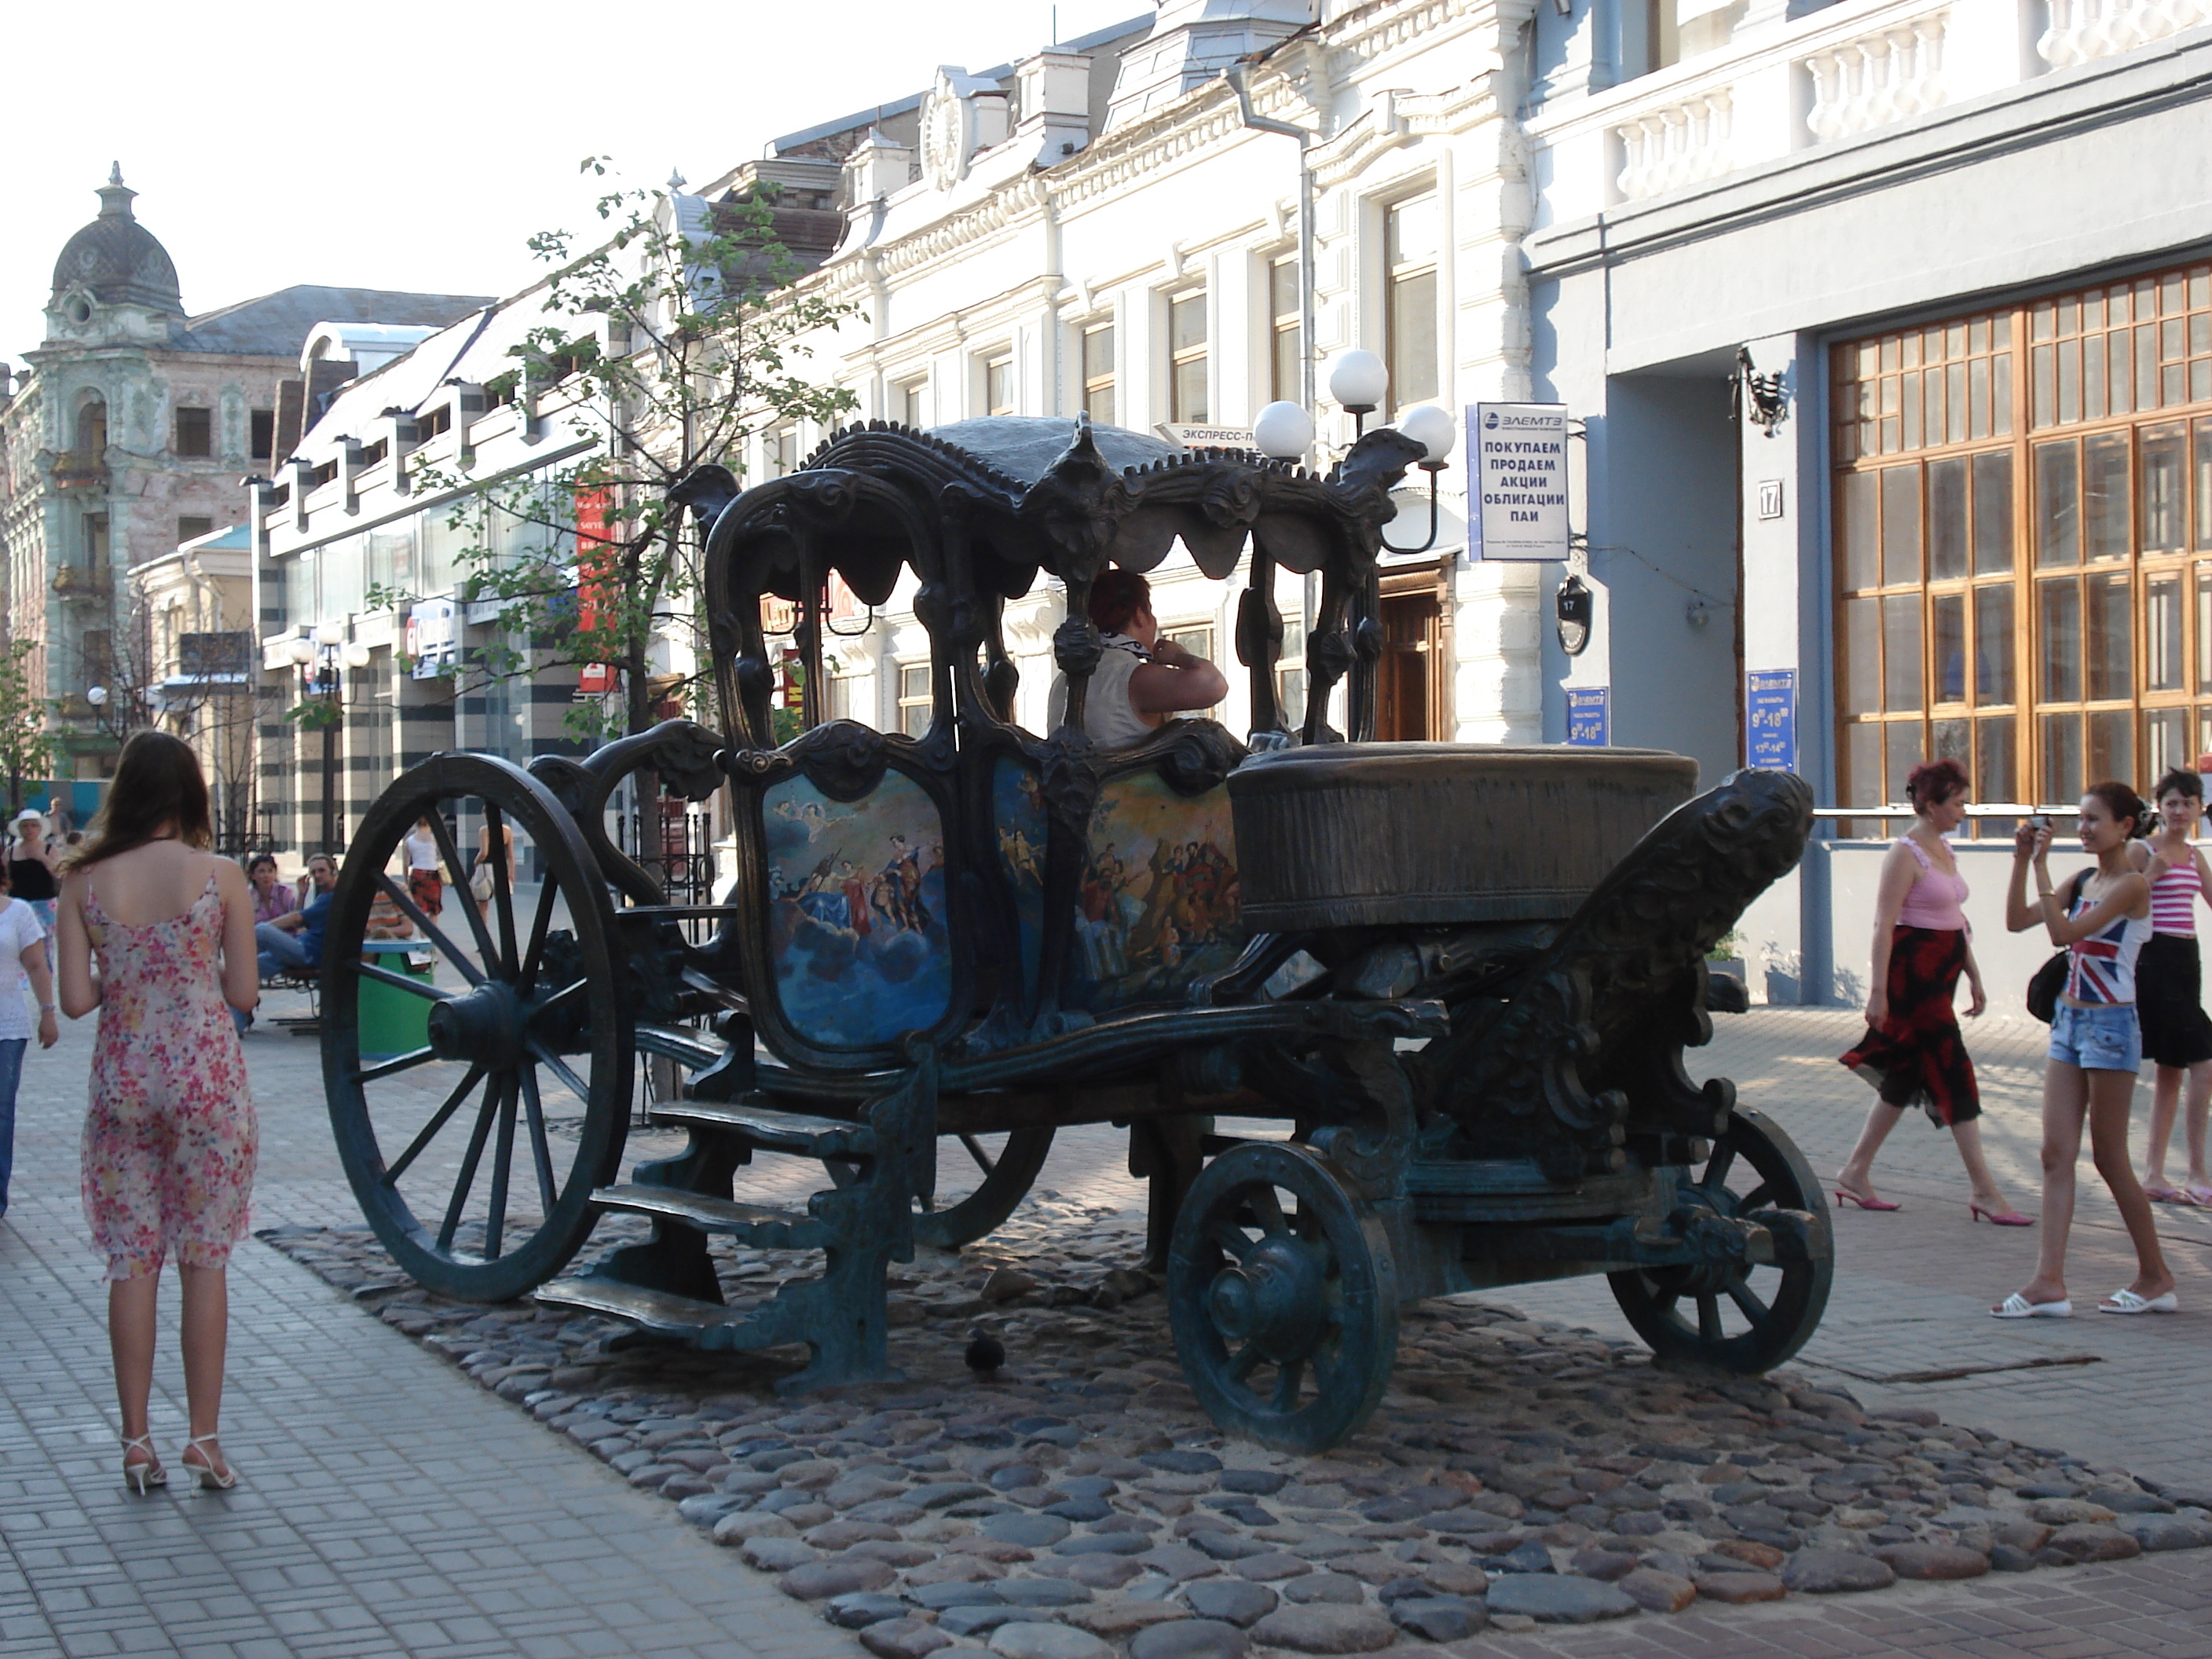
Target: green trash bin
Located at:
point(393, 1021)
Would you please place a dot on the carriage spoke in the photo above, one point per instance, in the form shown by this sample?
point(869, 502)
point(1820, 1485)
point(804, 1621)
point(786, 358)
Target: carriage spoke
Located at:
point(1755, 1199)
point(1232, 1238)
point(1288, 1376)
point(452, 855)
point(467, 1178)
point(1268, 1208)
point(553, 1063)
point(1747, 1299)
point(1246, 1362)
point(533, 953)
point(502, 1161)
point(429, 1130)
point(407, 982)
point(574, 988)
point(1716, 1169)
point(431, 931)
point(503, 887)
point(983, 1159)
point(406, 1062)
point(1709, 1317)
point(541, 1154)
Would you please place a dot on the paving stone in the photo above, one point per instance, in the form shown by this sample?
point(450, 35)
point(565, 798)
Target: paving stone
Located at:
point(945, 1493)
point(814, 1580)
point(1738, 1587)
point(1833, 1572)
point(893, 1552)
point(1107, 1572)
point(1559, 1598)
point(843, 1534)
point(1233, 1599)
point(1190, 1639)
point(1657, 1591)
point(1179, 1562)
point(2159, 1533)
point(1276, 1563)
point(1935, 1560)
point(1607, 1564)
point(1260, 1483)
point(774, 1554)
point(1765, 1558)
point(863, 1608)
point(2086, 1541)
point(1027, 1641)
point(2068, 1512)
point(1104, 1543)
point(1041, 1592)
point(955, 1593)
point(1182, 1462)
point(1122, 1615)
point(1332, 1587)
point(1439, 1618)
point(1326, 1630)
point(904, 1638)
point(1030, 1531)
point(2121, 1501)
point(734, 1529)
point(1227, 1545)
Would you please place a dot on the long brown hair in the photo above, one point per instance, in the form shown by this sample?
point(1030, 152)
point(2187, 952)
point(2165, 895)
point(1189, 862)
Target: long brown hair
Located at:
point(157, 786)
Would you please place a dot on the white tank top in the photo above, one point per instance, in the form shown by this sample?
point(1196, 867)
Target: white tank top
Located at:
point(1109, 719)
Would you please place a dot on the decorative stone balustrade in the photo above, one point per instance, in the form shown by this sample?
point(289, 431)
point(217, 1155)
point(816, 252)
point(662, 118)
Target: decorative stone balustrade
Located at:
point(2082, 30)
point(1677, 144)
point(1884, 76)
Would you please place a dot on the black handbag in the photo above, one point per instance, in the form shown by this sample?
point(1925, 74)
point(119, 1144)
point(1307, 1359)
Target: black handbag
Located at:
point(2050, 979)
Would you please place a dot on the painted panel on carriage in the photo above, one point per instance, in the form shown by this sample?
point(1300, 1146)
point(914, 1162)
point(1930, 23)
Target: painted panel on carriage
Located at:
point(1158, 906)
point(857, 925)
point(1017, 818)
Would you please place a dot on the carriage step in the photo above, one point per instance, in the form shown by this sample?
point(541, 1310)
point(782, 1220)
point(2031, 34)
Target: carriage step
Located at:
point(768, 1128)
point(758, 1225)
point(661, 1312)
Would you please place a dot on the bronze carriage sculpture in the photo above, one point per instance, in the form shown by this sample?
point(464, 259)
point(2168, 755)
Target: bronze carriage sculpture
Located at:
point(1459, 980)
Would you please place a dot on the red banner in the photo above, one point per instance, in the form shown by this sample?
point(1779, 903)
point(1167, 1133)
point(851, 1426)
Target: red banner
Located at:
point(595, 578)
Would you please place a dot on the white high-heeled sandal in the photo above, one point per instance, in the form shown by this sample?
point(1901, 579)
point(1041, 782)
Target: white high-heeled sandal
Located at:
point(206, 1472)
point(141, 1478)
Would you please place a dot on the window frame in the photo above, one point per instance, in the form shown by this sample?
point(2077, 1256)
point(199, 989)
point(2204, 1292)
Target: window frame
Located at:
point(1182, 357)
point(1402, 279)
point(1284, 326)
point(1098, 382)
point(1004, 397)
point(905, 695)
point(206, 434)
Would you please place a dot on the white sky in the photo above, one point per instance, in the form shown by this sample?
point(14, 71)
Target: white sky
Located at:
point(418, 146)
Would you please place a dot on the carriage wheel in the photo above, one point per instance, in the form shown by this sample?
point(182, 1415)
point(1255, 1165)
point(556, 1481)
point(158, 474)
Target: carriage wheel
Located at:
point(964, 1210)
point(1728, 1317)
point(474, 1154)
point(1283, 1297)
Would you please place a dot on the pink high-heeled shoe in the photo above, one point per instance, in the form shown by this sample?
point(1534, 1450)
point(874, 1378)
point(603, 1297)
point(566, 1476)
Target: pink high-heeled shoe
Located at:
point(1844, 1194)
point(2000, 1217)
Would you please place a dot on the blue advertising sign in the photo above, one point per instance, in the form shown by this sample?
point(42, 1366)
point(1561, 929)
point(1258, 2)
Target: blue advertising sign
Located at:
point(1770, 719)
point(1589, 716)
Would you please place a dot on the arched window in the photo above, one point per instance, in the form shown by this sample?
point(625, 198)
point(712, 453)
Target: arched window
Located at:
point(92, 427)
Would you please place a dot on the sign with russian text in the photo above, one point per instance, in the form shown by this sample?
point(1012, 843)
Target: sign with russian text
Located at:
point(1589, 716)
point(1519, 452)
point(1208, 437)
point(1770, 719)
point(593, 607)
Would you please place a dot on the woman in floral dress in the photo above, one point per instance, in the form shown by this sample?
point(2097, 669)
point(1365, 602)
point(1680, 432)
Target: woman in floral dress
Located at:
point(170, 1139)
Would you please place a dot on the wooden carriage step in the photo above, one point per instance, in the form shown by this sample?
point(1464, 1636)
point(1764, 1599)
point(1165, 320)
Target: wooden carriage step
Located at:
point(664, 1313)
point(768, 1128)
point(760, 1226)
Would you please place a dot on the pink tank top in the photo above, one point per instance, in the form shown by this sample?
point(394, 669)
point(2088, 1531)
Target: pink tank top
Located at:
point(1933, 899)
point(2173, 899)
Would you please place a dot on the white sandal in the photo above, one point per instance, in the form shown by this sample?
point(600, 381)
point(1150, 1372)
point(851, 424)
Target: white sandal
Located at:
point(2127, 1302)
point(142, 1477)
point(2017, 1306)
point(209, 1478)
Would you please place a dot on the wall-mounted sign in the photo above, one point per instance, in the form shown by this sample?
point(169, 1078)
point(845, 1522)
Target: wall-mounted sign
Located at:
point(1770, 719)
point(433, 639)
point(1208, 437)
point(1769, 498)
point(1589, 716)
point(1519, 453)
point(596, 581)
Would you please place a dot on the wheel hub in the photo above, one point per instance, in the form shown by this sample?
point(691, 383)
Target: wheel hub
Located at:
point(484, 1026)
point(1271, 1298)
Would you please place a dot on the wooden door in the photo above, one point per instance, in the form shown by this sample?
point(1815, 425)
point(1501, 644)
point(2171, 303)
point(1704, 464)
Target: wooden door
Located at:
point(1410, 707)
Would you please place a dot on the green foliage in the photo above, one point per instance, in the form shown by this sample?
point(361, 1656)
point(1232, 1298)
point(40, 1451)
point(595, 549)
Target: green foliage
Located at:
point(665, 349)
point(27, 749)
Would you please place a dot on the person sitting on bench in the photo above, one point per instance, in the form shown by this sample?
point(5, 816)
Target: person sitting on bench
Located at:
point(294, 943)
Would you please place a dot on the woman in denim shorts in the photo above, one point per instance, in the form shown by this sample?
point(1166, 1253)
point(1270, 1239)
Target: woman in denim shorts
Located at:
point(2096, 1045)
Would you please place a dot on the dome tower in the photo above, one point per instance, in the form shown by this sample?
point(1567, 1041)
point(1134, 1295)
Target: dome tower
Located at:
point(114, 261)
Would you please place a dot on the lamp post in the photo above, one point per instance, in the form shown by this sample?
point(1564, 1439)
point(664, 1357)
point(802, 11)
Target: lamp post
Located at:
point(1359, 381)
point(318, 660)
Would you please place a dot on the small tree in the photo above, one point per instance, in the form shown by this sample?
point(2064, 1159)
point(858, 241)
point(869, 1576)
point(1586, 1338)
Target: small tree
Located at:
point(27, 746)
point(667, 345)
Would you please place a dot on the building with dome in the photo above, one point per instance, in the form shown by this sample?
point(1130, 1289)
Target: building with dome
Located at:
point(126, 435)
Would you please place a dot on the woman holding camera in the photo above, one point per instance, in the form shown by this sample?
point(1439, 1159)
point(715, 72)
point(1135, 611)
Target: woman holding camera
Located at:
point(1912, 1051)
point(2096, 1044)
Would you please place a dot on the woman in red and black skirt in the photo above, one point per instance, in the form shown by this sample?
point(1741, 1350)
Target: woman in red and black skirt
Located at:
point(1912, 1051)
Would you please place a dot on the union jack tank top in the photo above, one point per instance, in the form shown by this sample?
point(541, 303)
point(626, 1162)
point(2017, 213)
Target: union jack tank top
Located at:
point(2100, 969)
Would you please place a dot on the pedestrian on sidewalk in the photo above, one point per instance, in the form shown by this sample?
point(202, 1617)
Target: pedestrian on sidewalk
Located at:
point(293, 943)
point(2177, 1034)
point(2096, 1044)
point(425, 875)
point(22, 963)
point(170, 1140)
point(1912, 1051)
point(31, 871)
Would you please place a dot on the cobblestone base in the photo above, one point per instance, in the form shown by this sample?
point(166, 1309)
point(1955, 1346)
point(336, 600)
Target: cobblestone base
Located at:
point(1078, 1504)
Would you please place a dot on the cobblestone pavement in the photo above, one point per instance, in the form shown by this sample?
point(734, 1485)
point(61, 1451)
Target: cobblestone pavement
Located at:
point(393, 1507)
